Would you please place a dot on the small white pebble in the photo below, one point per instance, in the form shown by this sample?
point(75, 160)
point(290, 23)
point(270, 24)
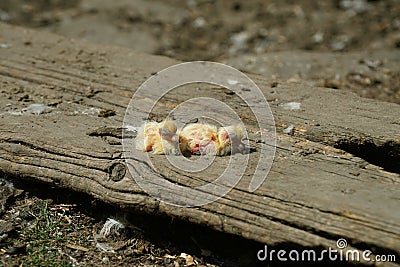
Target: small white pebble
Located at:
point(132, 128)
point(37, 109)
point(14, 112)
point(318, 37)
point(239, 41)
point(105, 260)
point(232, 82)
point(288, 129)
point(199, 22)
point(5, 45)
point(91, 111)
point(291, 105)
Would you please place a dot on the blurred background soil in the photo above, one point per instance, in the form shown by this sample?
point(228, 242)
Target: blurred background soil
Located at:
point(342, 44)
point(349, 45)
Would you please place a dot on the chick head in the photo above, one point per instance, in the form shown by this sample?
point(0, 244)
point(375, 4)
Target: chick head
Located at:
point(230, 139)
point(168, 131)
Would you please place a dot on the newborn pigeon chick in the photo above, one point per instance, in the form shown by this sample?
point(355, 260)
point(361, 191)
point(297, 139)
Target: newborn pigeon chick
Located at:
point(160, 138)
point(207, 139)
point(230, 140)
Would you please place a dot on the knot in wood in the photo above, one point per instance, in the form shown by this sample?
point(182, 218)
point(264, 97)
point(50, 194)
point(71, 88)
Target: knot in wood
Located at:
point(117, 171)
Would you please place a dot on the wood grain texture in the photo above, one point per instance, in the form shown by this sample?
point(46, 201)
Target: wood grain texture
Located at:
point(315, 193)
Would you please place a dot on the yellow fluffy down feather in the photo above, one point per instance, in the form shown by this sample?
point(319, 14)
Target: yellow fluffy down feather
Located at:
point(160, 138)
point(208, 139)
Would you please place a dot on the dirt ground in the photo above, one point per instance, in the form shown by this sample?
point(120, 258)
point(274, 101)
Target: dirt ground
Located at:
point(41, 227)
point(341, 44)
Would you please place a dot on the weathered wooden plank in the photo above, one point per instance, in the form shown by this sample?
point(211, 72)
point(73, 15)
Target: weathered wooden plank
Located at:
point(314, 193)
